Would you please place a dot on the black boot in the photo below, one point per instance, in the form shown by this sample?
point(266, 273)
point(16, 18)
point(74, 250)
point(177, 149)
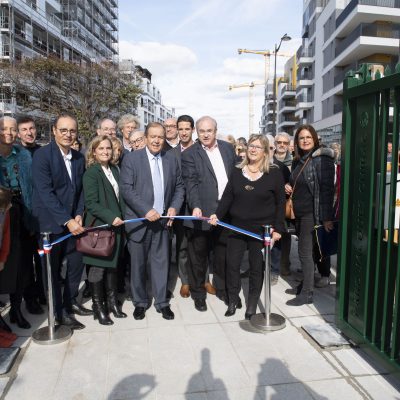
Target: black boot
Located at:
point(99, 308)
point(251, 307)
point(305, 297)
point(16, 317)
point(295, 290)
point(111, 294)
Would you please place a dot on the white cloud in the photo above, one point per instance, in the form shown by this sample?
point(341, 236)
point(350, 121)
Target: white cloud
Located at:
point(192, 89)
point(159, 58)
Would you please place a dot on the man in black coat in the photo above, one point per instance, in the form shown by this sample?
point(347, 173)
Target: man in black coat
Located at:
point(206, 167)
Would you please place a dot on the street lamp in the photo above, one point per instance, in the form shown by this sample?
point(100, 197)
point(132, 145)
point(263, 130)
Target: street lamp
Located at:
point(284, 38)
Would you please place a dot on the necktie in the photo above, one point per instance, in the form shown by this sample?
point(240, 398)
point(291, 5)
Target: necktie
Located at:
point(158, 188)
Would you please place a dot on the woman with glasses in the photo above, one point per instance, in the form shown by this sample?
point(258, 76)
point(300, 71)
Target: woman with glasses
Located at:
point(104, 205)
point(253, 197)
point(312, 189)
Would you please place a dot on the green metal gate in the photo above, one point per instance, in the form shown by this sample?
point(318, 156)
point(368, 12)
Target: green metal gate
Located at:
point(368, 308)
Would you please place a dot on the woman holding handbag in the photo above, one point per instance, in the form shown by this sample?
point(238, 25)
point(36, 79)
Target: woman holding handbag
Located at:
point(103, 205)
point(312, 190)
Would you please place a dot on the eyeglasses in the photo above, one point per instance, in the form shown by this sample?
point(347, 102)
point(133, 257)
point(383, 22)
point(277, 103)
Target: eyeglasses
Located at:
point(281, 142)
point(65, 131)
point(255, 147)
point(137, 141)
point(169, 126)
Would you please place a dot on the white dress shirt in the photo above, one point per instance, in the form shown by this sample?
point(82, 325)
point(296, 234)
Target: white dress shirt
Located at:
point(109, 175)
point(218, 165)
point(67, 160)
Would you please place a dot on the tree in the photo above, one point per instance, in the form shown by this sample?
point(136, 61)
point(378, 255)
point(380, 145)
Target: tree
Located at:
point(91, 91)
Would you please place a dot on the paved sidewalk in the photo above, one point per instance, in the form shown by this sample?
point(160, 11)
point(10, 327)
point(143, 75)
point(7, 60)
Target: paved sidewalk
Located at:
point(198, 356)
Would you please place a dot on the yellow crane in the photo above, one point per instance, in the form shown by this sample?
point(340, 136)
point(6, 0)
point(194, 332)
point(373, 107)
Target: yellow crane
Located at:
point(267, 56)
point(251, 99)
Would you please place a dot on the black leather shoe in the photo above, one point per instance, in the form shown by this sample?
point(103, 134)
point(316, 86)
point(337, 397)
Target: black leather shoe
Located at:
point(33, 307)
point(295, 290)
point(166, 312)
point(200, 304)
point(71, 322)
point(78, 309)
point(16, 317)
point(232, 308)
point(139, 313)
point(248, 316)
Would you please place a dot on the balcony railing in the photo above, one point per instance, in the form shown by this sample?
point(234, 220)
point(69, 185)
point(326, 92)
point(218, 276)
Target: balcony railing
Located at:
point(305, 75)
point(305, 98)
point(288, 118)
point(337, 108)
point(288, 88)
point(375, 30)
point(287, 103)
point(354, 3)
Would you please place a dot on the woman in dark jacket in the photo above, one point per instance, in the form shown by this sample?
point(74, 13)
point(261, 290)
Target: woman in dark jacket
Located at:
point(312, 188)
point(253, 197)
point(103, 205)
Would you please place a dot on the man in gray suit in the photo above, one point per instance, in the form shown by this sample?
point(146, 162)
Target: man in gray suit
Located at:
point(206, 167)
point(150, 184)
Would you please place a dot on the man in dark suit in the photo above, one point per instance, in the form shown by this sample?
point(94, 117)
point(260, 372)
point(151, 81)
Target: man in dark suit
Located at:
point(206, 167)
point(150, 184)
point(58, 208)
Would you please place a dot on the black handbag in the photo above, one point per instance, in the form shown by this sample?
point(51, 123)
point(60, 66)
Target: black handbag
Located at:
point(326, 243)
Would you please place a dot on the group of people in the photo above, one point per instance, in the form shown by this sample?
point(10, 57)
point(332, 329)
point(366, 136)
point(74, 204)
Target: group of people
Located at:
point(150, 177)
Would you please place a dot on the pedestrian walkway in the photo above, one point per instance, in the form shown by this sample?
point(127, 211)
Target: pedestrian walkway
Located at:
point(198, 356)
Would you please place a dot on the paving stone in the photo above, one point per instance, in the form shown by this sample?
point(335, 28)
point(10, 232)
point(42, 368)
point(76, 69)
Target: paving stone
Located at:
point(379, 388)
point(294, 391)
point(333, 390)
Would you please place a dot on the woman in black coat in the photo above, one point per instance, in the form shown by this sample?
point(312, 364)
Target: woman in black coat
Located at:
point(253, 197)
point(312, 188)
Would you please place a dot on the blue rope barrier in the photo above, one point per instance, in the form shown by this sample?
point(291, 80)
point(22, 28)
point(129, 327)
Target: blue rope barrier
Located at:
point(48, 246)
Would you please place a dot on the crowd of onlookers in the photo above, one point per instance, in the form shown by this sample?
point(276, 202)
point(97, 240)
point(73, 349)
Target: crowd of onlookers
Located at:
point(149, 177)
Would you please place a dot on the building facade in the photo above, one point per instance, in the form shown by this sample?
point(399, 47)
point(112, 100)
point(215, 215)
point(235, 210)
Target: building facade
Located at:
point(339, 36)
point(76, 31)
point(149, 107)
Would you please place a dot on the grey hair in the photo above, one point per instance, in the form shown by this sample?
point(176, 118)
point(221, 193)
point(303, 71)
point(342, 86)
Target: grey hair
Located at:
point(126, 119)
point(135, 131)
point(285, 135)
point(204, 118)
point(7, 118)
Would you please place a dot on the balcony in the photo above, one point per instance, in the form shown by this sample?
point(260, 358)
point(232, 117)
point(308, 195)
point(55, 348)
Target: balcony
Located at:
point(305, 79)
point(337, 108)
point(354, 3)
point(387, 31)
point(304, 101)
point(288, 91)
point(287, 106)
point(305, 56)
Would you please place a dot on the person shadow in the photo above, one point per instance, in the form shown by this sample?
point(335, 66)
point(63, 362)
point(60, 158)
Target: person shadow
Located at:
point(274, 371)
point(206, 375)
point(136, 386)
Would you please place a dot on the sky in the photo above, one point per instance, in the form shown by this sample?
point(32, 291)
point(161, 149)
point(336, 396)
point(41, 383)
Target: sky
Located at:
point(191, 49)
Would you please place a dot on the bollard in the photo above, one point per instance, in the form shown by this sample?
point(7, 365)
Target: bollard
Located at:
point(268, 321)
point(50, 334)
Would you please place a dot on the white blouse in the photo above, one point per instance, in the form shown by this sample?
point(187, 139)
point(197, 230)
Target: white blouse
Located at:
point(112, 180)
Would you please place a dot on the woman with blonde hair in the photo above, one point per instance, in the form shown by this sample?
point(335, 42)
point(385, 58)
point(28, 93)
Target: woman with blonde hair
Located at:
point(103, 205)
point(253, 197)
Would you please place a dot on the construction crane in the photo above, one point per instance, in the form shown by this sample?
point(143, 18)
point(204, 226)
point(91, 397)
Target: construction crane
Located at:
point(267, 55)
point(251, 99)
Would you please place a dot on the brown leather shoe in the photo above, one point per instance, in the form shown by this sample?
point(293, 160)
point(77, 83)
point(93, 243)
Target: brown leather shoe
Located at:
point(210, 288)
point(185, 291)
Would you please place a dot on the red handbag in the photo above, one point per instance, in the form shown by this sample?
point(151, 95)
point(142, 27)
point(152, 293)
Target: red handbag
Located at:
point(96, 242)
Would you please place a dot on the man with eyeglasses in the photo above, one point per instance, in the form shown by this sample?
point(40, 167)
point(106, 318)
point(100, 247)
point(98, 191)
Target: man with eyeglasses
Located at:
point(206, 167)
point(282, 153)
point(171, 136)
point(137, 140)
point(107, 127)
point(58, 208)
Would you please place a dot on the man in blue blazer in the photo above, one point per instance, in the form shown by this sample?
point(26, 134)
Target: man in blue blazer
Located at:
point(151, 186)
point(206, 167)
point(58, 207)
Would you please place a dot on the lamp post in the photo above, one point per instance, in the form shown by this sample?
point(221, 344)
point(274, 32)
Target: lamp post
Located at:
point(284, 38)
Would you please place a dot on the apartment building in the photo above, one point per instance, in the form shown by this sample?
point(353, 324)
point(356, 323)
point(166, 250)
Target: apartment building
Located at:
point(74, 30)
point(286, 98)
point(267, 124)
point(339, 36)
point(149, 107)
